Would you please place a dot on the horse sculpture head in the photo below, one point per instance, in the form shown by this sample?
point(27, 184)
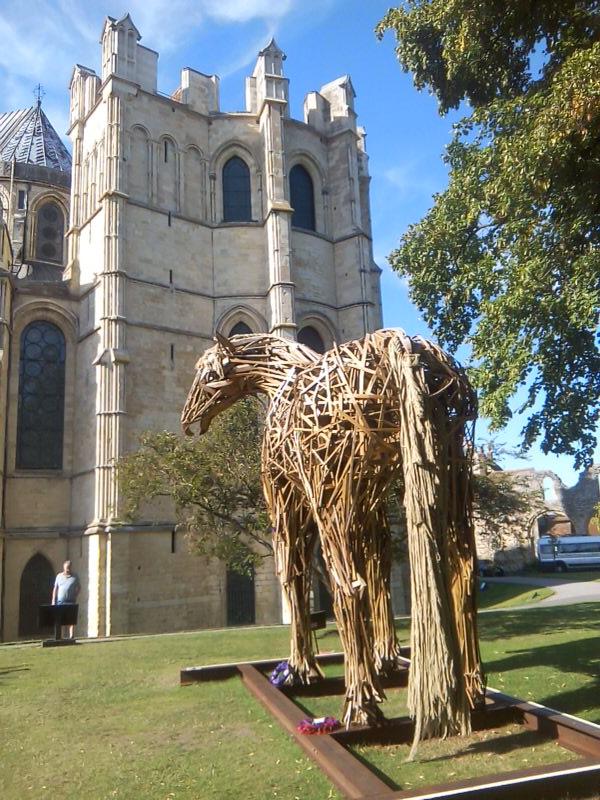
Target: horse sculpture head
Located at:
point(215, 387)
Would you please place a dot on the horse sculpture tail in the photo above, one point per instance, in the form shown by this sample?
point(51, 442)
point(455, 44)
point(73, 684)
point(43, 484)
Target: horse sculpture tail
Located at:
point(435, 405)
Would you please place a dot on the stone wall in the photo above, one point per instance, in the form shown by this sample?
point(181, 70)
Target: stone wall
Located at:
point(152, 272)
point(511, 543)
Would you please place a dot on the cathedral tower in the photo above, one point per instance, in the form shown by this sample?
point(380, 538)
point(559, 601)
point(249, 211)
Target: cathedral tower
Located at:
point(187, 219)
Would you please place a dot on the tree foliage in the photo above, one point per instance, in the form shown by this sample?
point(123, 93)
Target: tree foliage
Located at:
point(596, 516)
point(214, 484)
point(508, 258)
point(213, 481)
point(503, 501)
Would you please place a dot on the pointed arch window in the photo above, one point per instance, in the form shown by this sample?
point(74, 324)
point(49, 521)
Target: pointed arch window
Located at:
point(49, 233)
point(240, 328)
point(302, 198)
point(311, 337)
point(40, 413)
point(237, 205)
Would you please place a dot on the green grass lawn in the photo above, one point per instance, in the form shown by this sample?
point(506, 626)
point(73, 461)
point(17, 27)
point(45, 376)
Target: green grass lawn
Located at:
point(505, 595)
point(109, 720)
point(441, 761)
point(571, 576)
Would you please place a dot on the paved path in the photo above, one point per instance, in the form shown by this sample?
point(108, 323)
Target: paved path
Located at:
point(565, 592)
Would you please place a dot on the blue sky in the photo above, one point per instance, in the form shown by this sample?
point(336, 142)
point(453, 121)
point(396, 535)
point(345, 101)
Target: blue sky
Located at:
point(323, 39)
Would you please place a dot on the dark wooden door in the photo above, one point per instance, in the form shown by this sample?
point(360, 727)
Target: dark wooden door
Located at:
point(37, 581)
point(241, 608)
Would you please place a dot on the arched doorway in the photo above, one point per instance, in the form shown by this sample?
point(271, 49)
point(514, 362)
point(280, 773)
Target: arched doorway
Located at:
point(241, 607)
point(37, 580)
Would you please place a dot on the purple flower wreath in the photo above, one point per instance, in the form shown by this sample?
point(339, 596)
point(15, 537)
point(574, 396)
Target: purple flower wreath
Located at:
point(282, 675)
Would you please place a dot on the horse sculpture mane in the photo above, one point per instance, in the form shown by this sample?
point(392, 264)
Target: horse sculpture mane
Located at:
point(339, 429)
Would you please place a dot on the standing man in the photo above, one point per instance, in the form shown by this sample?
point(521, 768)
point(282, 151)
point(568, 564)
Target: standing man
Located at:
point(66, 589)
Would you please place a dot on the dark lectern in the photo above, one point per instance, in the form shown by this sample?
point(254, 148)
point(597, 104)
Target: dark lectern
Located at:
point(65, 614)
point(318, 621)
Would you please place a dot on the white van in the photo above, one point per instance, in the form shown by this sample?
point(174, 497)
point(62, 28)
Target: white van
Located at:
point(563, 552)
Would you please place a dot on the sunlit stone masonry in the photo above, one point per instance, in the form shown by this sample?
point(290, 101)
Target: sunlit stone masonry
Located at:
point(183, 220)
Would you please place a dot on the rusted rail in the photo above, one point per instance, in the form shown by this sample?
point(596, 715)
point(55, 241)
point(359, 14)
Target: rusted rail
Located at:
point(349, 774)
point(572, 733)
point(578, 779)
point(221, 672)
point(556, 782)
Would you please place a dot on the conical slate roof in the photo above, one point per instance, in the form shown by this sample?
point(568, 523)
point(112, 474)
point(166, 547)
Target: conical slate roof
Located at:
point(28, 137)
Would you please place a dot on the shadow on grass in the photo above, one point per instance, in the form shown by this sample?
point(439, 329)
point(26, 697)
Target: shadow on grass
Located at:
point(513, 742)
point(375, 770)
point(4, 673)
point(500, 746)
point(532, 621)
point(579, 655)
point(309, 714)
point(324, 634)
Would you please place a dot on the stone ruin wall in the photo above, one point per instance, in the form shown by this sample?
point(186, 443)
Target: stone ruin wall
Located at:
point(512, 545)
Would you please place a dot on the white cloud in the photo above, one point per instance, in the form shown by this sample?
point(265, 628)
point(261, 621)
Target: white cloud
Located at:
point(246, 56)
point(40, 45)
point(410, 178)
point(245, 10)
point(43, 39)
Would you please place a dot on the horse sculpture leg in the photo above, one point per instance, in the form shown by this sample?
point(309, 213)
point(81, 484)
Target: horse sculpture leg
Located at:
point(378, 559)
point(294, 539)
point(344, 554)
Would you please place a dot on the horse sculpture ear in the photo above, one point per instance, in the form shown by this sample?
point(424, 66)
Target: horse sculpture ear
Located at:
point(225, 343)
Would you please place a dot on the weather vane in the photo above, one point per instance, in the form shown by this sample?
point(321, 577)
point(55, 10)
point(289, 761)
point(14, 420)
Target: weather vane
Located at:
point(38, 93)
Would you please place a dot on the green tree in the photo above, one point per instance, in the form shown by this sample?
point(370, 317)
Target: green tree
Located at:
point(596, 516)
point(502, 501)
point(507, 260)
point(213, 481)
point(214, 484)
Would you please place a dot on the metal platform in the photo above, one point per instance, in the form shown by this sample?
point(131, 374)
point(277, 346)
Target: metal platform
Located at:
point(357, 781)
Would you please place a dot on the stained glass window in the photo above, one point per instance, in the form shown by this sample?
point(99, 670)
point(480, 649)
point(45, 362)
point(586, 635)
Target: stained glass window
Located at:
point(302, 198)
point(237, 206)
point(49, 233)
point(41, 397)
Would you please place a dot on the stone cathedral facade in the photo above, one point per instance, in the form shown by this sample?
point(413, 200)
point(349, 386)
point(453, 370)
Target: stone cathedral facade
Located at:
point(183, 220)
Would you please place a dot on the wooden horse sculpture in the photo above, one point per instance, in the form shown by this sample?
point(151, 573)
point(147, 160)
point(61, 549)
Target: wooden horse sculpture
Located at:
point(339, 429)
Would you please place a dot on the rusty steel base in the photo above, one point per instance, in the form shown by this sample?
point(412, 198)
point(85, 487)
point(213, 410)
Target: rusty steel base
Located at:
point(578, 779)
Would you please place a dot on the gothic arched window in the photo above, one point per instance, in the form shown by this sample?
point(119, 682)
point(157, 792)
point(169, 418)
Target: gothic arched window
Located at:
point(49, 233)
point(237, 206)
point(139, 165)
point(302, 198)
point(239, 328)
point(41, 397)
point(311, 337)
